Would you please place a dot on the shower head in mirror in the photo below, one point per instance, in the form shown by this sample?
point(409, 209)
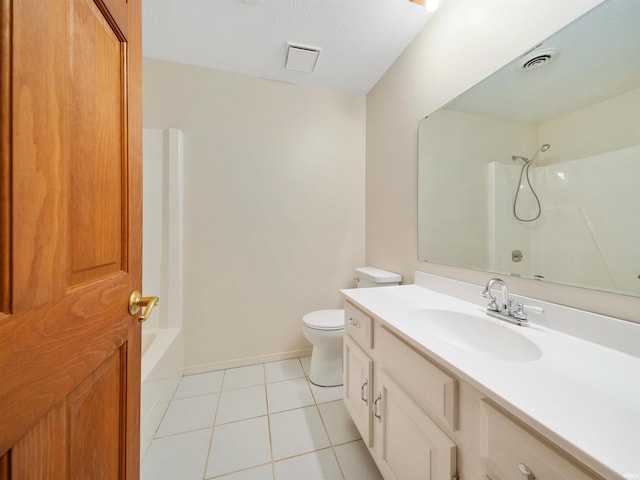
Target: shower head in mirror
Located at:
point(529, 161)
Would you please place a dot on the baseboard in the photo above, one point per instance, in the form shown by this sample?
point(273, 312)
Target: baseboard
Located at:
point(243, 362)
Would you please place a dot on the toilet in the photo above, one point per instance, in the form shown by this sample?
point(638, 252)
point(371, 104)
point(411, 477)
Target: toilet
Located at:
point(324, 329)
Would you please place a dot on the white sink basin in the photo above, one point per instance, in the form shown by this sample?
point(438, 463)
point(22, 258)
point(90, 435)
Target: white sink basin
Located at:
point(475, 334)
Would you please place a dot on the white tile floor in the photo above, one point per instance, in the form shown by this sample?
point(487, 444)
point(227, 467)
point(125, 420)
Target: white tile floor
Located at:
point(262, 422)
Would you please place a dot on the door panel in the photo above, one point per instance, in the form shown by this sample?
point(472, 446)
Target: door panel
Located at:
point(4, 467)
point(98, 154)
point(92, 408)
point(79, 429)
point(38, 124)
point(70, 241)
point(41, 451)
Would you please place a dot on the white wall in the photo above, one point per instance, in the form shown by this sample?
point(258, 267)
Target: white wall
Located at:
point(612, 125)
point(274, 206)
point(464, 42)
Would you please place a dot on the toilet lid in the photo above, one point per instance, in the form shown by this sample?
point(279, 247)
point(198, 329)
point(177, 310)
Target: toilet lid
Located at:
point(325, 319)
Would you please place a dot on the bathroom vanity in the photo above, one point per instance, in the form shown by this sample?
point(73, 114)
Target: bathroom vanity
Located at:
point(439, 390)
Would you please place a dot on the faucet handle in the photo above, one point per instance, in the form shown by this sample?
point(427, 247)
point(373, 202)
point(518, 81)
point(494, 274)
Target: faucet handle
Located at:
point(519, 313)
point(492, 305)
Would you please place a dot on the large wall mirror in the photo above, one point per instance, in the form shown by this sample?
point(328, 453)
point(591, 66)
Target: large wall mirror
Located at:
point(535, 171)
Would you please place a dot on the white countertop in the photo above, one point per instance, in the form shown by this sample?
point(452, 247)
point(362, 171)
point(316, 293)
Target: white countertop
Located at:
point(582, 395)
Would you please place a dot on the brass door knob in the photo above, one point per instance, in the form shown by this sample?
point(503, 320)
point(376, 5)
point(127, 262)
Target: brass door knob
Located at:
point(137, 301)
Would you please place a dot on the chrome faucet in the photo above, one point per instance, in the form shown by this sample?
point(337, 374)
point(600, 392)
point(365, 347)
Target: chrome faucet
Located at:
point(505, 307)
point(503, 311)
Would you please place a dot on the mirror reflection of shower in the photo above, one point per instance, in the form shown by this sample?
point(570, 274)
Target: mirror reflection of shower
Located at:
point(526, 163)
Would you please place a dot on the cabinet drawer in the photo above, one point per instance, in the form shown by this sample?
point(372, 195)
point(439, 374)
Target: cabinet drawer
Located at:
point(431, 388)
point(359, 325)
point(513, 450)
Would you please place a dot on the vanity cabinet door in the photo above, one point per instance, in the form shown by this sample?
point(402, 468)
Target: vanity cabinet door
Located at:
point(408, 444)
point(358, 378)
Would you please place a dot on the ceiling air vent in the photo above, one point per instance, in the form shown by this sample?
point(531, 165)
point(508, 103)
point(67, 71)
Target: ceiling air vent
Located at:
point(538, 59)
point(301, 58)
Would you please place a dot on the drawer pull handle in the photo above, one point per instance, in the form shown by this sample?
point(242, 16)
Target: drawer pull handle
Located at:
point(526, 471)
point(354, 323)
point(362, 392)
point(375, 408)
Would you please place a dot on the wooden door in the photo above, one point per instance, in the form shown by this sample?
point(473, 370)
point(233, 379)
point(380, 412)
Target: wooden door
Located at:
point(70, 240)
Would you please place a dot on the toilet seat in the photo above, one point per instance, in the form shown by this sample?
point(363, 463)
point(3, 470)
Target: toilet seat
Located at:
point(324, 320)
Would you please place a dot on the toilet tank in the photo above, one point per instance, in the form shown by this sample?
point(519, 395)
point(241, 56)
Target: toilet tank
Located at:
point(376, 277)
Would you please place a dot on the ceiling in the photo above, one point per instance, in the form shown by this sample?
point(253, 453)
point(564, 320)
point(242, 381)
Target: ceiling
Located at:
point(359, 39)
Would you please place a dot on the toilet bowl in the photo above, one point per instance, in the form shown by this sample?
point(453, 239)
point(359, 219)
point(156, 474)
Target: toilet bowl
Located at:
point(324, 329)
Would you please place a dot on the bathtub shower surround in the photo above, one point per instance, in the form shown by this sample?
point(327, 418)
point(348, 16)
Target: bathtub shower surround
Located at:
point(582, 200)
point(162, 338)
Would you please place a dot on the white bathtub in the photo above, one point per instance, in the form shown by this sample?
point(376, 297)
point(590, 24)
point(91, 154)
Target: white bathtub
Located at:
point(162, 368)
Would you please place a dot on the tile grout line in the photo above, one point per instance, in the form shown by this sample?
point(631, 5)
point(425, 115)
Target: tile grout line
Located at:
point(239, 420)
point(213, 426)
point(331, 446)
point(164, 414)
point(246, 469)
point(266, 399)
point(273, 460)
